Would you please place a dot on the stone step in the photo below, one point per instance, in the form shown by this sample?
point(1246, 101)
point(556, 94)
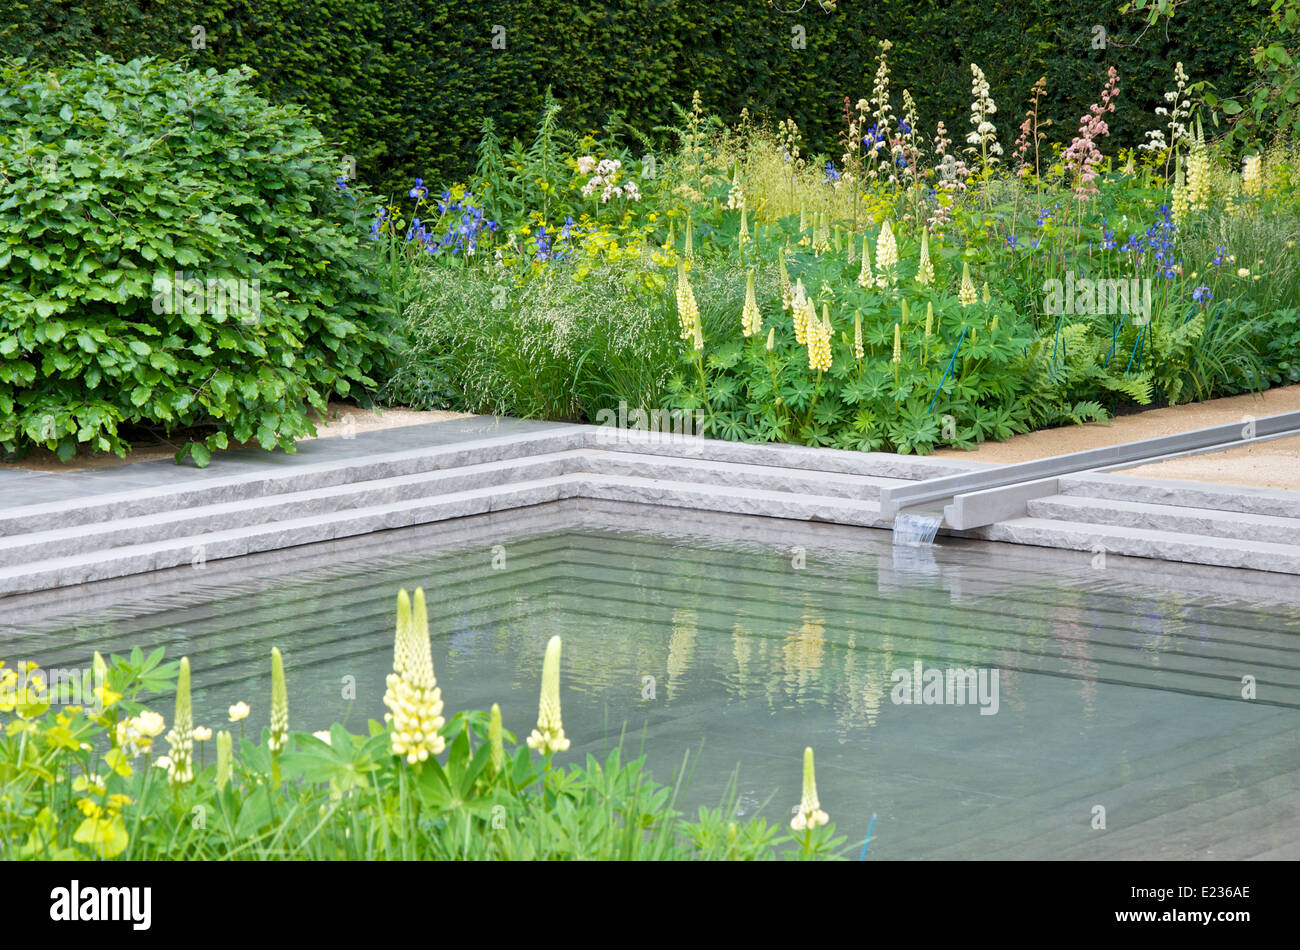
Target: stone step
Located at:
point(235, 541)
point(1247, 499)
point(1140, 542)
point(174, 487)
point(185, 522)
point(1195, 521)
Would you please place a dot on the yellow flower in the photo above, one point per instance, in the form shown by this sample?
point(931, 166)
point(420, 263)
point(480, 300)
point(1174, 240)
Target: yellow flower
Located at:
point(787, 293)
point(810, 813)
point(180, 739)
point(413, 696)
point(925, 270)
point(819, 339)
point(751, 321)
point(497, 757)
point(549, 737)
point(1198, 173)
point(801, 308)
point(149, 724)
point(202, 733)
point(865, 276)
point(1243, 272)
point(239, 711)
point(1252, 177)
point(687, 311)
point(886, 249)
point(279, 733)
point(967, 294)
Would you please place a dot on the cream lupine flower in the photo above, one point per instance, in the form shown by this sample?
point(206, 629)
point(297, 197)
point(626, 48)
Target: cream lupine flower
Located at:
point(697, 333)
point(865, 276)
point(223, 758)
point(898, 344)
point(687, 310)
point(787, 292)
point(1198, 173)
point(801, 308)
point(1179, 205)
point(735, 196)
point(751, 320)
point(413, 697)
point(810, 813)
point(279, 734)
point(548, 737)
point(689, 251)
point(985, 295)
point(239, 711)
point(202, 733)
point(886, 253)
point(771, 339)
point(821, 234)
point(181, 737)
point(925, 270)
point(967, 294)
point(1252, 175)
point(743, 235)
point(858, 351)
point(819, 340)
point(497, 756)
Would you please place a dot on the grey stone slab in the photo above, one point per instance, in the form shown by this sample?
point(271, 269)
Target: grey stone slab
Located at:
point(1250, 499)
point(1164, 517)
point(1139, 542)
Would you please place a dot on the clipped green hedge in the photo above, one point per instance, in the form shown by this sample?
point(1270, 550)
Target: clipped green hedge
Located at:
point(174, 253)
point(403, 85)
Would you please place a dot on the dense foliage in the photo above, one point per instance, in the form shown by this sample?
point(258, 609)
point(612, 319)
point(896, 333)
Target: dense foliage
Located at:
point(378, 71)
point(1056, 284)
point(174, 253)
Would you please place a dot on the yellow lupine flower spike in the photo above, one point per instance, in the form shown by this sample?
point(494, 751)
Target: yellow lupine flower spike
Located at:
point(279, 736)
point(810, 813)
point(181, 737)
point(967, 294)
point(751, 321)
point(413, 696)
point(548, 737)
point(925, 270)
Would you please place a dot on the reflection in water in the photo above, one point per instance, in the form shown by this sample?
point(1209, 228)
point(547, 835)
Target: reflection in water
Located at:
point(1097, 685)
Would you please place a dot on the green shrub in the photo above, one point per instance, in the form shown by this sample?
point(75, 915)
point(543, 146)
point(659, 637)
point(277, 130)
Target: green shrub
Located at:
point(117, 179)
